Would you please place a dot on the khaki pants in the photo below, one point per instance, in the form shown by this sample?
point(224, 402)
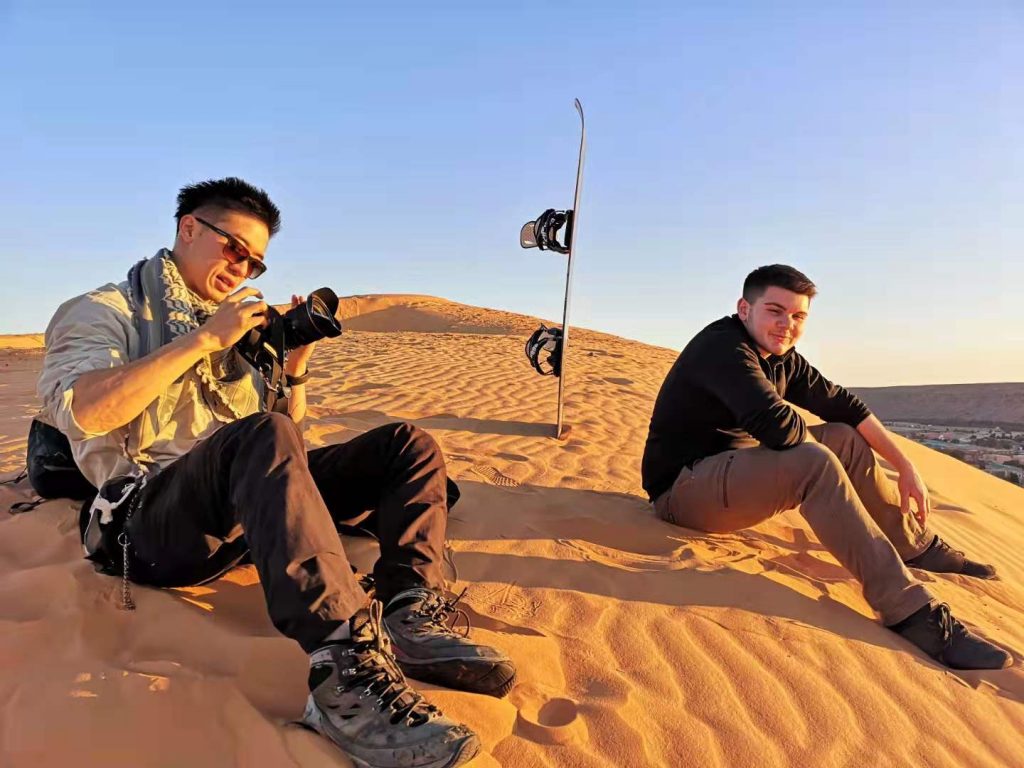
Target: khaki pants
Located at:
point(841, 492)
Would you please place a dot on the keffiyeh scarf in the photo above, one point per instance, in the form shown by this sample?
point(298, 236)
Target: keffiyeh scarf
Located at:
point(165, 309)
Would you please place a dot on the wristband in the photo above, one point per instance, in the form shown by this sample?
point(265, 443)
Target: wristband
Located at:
point(294, 381)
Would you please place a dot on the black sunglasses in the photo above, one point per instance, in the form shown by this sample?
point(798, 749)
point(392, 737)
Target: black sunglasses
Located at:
point(236, 252)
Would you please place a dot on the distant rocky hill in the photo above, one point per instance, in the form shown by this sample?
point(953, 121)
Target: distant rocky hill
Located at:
point(995, 404)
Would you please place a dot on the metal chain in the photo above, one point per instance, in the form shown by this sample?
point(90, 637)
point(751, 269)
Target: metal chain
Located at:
point(127, 604)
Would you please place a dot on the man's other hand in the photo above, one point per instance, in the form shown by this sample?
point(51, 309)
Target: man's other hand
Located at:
point(298, 358)
point(912, 487)
point(233, 319)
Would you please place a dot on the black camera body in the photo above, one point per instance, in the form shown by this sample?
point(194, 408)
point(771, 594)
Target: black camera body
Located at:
point(267, 348)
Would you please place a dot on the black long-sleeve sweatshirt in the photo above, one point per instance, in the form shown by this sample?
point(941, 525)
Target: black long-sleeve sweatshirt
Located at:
point(721, 394)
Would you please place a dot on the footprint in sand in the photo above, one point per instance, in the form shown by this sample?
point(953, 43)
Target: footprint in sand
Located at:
point(601, 353)
point(550, 720)
point(581, 483)
point(367, 387)
point(512, 457)
point(494, 477)
point(510, 603)
point(576, 446)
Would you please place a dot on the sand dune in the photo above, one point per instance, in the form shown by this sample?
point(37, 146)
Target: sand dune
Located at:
point(22, 341)
point(995, 404)
point(638, 643)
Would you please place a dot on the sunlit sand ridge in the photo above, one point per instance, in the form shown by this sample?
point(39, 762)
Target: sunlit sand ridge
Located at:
point(637, 644)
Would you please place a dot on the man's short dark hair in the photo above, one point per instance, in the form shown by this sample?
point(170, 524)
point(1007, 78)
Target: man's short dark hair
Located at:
point(232, 194)
point(779, 276)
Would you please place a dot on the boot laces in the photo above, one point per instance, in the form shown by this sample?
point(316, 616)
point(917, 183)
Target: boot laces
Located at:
point(949, 626)
point(374, 668)
point(945, 546)
point(433, 615)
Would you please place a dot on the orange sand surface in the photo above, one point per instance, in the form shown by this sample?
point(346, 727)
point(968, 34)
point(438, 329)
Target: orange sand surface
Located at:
point(638, 643)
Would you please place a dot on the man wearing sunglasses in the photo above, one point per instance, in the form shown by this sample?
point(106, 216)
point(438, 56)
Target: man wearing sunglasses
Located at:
point(167, 420)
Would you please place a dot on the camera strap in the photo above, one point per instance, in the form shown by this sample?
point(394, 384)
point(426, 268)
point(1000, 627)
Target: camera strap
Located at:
point(277, 390)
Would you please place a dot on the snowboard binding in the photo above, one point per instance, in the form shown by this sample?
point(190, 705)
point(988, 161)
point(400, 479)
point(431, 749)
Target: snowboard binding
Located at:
point(544, 351)
point(543, 231)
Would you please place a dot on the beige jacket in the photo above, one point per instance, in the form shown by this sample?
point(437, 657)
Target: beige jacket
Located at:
point(93, 332)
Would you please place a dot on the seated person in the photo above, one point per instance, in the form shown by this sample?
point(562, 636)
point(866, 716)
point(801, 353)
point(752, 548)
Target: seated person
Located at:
point(143, 378)
point(725, 451)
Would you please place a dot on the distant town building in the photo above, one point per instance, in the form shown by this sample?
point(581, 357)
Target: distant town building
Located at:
point(993, 450)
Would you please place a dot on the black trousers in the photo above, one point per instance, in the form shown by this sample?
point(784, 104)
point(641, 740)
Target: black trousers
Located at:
point(252, 488)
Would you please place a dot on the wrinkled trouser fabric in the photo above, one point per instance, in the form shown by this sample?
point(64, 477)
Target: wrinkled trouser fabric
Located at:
point(842, 493)
point(252, 488)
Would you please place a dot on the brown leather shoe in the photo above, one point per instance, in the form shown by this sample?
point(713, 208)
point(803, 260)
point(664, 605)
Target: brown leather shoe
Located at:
point(942, 558)
point(936, 631)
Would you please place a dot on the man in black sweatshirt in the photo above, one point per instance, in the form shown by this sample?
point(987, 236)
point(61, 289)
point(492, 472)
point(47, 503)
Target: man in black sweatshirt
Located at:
point(726, 451)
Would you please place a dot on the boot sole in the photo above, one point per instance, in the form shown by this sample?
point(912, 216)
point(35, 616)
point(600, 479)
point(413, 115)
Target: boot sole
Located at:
point(985, 576)
point(1003, 664)
point(312, 719)
point(491, 678)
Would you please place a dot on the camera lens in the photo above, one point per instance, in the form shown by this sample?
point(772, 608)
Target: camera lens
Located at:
point(313, 320)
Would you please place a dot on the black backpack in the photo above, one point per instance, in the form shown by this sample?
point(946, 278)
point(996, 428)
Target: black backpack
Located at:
point(52, 471)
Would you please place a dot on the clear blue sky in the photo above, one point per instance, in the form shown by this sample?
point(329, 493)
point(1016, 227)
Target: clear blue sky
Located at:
point(879, 147)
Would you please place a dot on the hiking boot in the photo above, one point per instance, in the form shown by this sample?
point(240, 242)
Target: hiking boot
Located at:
point(936, 631)
point(428, 649)
point(359, 700)
point(942, 558)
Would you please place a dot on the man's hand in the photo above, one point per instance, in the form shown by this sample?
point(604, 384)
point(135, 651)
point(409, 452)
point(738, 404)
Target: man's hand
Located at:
point(912, 487)
point(298, 358)
point(233, 319)
point(107, 399)
point(296, 365)
point(910, 483)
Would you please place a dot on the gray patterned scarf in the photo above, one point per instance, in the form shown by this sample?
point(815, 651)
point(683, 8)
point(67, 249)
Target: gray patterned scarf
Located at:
point(165, 309)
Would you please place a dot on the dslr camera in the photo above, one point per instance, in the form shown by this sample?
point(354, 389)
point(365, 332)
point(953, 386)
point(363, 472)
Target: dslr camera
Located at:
point(267, 348)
